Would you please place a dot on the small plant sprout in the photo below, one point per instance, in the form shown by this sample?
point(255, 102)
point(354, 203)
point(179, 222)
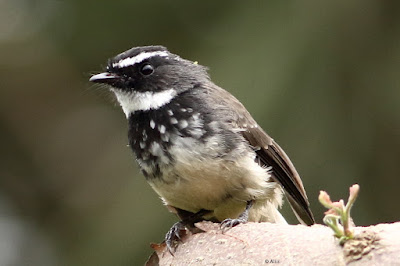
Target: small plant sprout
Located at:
point(338, 216)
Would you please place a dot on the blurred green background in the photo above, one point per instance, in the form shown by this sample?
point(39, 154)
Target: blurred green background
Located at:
point(321, 77)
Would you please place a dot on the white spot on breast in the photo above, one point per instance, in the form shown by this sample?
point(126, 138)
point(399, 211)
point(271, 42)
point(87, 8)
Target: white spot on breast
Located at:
point(144, 135)
point(165, 137)
point(162, 129)
point(173, 120)
point(196, 132)
point(196, 126)
point(155, 149)
point(170, 113)
point(183, 110)
point(147, 166)
point(183, 124)
point(196, 117)
point(142, 145)
point(152, 124)
point(164, 159)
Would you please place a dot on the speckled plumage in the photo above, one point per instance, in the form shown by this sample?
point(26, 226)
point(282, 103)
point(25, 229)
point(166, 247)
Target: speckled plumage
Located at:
point(196, 144)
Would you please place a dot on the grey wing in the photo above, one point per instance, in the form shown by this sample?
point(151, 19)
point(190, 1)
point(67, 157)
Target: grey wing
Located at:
point(269, 153)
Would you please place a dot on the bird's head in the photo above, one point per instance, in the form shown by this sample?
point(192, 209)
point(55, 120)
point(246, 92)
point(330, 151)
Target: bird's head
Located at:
point(148, 77)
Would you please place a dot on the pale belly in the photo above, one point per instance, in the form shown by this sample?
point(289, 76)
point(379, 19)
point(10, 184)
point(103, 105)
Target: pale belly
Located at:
point(218, 185)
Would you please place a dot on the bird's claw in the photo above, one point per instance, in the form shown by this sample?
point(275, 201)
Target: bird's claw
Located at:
point(174, 235)
point(229, 223)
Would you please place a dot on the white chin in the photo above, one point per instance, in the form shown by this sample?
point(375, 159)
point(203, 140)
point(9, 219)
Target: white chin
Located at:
point(143, 101)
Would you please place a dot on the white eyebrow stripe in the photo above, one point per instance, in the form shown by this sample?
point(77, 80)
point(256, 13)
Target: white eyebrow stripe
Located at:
point(130, 61)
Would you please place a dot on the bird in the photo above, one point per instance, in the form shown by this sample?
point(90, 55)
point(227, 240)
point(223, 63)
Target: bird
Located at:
point(197, 145)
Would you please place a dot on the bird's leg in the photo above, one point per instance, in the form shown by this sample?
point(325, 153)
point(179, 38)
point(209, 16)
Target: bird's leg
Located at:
point(176, 232)
point(243, 218)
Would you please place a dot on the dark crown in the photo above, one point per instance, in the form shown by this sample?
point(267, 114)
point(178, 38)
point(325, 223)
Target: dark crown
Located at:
point(133, 52)
point(152, 68)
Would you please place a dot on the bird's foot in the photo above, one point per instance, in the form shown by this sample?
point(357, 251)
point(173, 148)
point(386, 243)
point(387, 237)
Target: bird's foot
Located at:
point(178, 230)
point(174, 235)
point(229, 223)
point(243, 218)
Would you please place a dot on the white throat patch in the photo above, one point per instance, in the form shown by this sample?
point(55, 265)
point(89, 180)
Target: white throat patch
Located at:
point(143, 101)
point(130, 61)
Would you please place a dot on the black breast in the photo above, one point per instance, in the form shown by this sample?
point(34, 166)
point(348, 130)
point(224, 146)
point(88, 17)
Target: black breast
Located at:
point(152, 132)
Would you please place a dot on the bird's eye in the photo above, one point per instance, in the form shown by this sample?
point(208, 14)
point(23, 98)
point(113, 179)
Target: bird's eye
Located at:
point(147, 69)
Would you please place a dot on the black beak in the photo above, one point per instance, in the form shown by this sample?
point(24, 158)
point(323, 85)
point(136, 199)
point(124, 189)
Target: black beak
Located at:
point(105, 77)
